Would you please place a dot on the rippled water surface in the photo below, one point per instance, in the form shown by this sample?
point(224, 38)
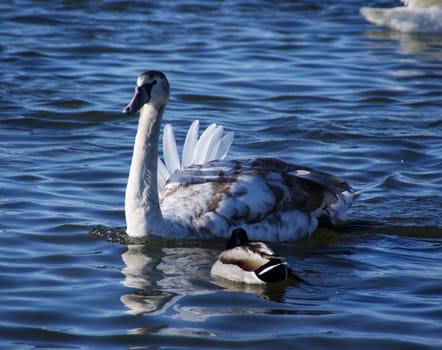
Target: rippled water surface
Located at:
point(309, 82)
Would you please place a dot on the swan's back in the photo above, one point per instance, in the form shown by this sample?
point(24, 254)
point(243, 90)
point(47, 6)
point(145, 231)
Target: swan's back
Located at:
point(273, 200)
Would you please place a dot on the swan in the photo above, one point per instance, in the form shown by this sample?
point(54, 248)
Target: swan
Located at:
point(417, 16)
point(250, 262)
point(271, 199)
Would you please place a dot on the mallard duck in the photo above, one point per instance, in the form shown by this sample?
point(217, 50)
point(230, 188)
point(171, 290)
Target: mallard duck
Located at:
point(273, 200)
point(250, 262)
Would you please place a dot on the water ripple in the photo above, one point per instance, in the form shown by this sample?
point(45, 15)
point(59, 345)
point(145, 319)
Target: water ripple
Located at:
point(311, 83)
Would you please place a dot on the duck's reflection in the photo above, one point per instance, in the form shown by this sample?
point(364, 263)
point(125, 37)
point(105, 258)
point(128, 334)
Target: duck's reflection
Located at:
point(272, 291)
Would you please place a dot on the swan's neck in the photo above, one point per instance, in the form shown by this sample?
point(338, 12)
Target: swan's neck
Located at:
point(142, 206)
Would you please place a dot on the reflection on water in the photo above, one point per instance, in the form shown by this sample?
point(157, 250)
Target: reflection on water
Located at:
point(143, 300)
point(170, 284)
point(160, 275)
point(275, 292)
point(419, 44)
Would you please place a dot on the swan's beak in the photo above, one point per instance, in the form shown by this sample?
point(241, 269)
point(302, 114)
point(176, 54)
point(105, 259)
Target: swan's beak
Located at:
point(137, 101)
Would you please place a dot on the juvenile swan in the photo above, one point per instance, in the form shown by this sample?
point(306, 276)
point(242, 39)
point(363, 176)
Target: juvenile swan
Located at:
point(271, 199)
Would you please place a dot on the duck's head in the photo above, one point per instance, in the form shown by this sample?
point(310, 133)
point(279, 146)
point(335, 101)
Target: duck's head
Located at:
point(238, 238)
point(152, 88)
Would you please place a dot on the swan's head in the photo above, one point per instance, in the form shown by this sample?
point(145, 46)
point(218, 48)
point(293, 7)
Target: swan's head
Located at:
point(152, 88)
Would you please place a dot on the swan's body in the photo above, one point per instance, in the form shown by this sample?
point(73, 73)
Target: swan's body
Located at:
point(417, 16)
point(245, 261)
point(271, 199)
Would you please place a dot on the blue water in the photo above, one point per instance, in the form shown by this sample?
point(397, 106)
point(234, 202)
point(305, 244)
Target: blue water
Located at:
point(309, 82)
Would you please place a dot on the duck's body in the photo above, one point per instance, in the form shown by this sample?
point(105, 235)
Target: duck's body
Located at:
point(417, 16)
point(250, 262)
point(271, 199)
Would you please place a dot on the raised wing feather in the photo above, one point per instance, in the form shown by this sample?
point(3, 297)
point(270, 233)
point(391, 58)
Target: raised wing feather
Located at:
point(190, 144)
point(170, 152)
point(202, 145)
point(224, 145)
point(212, 145)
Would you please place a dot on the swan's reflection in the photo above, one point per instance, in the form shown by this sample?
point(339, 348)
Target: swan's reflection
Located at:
point(136, 263)
point(143, 300)
point(162, 274)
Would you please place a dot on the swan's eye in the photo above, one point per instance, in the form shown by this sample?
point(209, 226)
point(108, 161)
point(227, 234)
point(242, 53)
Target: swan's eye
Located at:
point(147, 86)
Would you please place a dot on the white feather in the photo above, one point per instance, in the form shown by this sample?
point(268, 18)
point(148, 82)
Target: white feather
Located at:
point(170, 152)
point(202, 145)
point(224, 145)
point(190, 144)
point(213, 143)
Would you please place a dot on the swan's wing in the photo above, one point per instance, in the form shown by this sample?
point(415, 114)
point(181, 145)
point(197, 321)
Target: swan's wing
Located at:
point(213, 144)
point(170, 151)
point(271, 199)
point(329, 182)
point(202, 146)
point(335, 197)
point(224, 145)
point(338, 194)
point(189, 144)
point(332, 183)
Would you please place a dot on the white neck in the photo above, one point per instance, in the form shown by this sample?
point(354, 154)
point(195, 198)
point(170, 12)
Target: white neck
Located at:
point(142, 206)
